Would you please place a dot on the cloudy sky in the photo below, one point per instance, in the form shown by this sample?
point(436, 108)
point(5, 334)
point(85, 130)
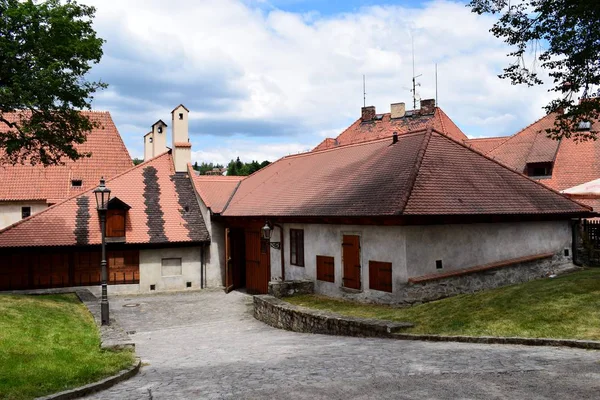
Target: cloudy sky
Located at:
point(264, 79)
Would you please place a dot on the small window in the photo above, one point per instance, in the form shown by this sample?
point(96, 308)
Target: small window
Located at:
point(25, 212)
point(180, 115)
point(438, 264)
point(584, 126)
point(152, 287)
point(380, 276)
point(150, 140)
point(76, 183)
point(171, 266)
point(325, 269)
point(297, 247)
point(541, 169)
point(159, 130)
point(566, 252)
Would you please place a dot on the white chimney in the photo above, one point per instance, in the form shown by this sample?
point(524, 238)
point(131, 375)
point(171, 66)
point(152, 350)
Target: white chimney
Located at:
point(182, 148)
point(398, 110)
point(148, 146)
point(159, 138)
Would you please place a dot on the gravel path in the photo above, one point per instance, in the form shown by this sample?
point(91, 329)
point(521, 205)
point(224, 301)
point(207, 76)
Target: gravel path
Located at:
point(207, 345)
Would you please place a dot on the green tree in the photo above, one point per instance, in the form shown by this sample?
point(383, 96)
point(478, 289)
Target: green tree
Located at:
point(47, 49)
point(562, 37)
point(239, 168)
point(137, 161)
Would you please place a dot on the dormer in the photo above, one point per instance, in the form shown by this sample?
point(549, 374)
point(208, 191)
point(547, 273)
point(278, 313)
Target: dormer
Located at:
point(539, 170)
point(116, 220)
point(159, 138)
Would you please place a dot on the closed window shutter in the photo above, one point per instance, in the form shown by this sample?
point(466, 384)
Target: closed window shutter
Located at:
point(325, 269)
point(380, 276)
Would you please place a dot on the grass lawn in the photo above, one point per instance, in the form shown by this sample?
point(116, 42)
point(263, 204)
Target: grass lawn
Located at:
point(564, 307)
point(49, 344)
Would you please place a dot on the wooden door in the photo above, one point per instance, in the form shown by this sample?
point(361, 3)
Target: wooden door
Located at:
point(228, 262)
point(351, 259)
point(258, 263)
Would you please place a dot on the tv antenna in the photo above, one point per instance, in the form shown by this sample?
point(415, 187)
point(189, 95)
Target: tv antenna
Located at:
point(364, 91)
point(414, 78)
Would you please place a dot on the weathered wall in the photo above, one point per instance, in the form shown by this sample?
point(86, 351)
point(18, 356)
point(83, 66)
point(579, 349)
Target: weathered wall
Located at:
point(10, 211)
point(469, 245)
point(413, 251)
point(151, 269)
point(378, 243)
point(214, 255)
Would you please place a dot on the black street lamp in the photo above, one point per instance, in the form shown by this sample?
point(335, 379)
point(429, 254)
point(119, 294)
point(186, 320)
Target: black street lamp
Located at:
point(102, 194)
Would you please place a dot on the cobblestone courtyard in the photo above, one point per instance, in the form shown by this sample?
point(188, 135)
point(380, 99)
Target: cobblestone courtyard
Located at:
point(207, 345)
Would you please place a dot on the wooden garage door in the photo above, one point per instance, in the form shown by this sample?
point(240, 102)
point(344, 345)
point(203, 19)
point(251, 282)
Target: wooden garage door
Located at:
point(351, 258)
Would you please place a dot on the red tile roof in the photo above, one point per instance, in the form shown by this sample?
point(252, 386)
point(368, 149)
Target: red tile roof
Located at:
point(485, 145)
point(574, 162)
point(214, 190)
point(164, 209)
point(424, 173)
point(361, 131)
point(53, 183)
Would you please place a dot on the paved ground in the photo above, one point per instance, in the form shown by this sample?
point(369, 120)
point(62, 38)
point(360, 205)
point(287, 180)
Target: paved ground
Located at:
point(208, 346)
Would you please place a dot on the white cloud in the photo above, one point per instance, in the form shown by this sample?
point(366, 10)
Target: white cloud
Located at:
point(230, 62)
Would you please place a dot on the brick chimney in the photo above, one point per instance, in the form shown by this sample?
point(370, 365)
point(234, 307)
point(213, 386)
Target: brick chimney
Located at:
point(148, 146)
point(368, 113)
point(398, 110)
point(427, 106)
point(159, 138)
point(182, 148)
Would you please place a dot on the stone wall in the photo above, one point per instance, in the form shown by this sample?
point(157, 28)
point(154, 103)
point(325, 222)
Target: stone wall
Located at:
point(290, 288)
point(485, 280)
point(280, 314)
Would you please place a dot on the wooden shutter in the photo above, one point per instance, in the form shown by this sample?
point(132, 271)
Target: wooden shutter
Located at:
point(115, 223)
point(325, 269)
point(380, 276)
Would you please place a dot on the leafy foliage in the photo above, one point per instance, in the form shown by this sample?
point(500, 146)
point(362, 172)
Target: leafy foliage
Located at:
point(563, 37)
point(137, 161)
point(203, 168)
point(239, 168)
point(47, 49)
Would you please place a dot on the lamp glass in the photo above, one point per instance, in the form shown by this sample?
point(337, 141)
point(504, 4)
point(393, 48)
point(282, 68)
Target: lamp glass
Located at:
point(102, 194)
point(266, 232)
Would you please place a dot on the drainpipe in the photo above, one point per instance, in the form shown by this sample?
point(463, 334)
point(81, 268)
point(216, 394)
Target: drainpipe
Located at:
point(202, 266)
point(281, 238)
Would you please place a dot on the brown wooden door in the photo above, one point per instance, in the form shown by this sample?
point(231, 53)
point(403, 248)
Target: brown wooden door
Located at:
point(228, 262)
point(258, 263)
point(115, 223)
point(351, 259)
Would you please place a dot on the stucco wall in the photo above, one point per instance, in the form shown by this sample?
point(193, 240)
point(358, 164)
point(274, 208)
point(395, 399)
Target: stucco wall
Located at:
point(469, 245)
point(378, 243)
point(413, 250)
point(151, 269)
point(214, 257)
point(10, 211)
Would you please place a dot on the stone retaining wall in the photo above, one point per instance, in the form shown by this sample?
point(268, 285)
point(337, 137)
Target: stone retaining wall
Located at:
point(283, 315)
point(290, 288)
point(478, 281)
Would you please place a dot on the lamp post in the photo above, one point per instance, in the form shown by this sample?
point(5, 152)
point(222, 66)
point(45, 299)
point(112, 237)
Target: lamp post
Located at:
point(102, 194)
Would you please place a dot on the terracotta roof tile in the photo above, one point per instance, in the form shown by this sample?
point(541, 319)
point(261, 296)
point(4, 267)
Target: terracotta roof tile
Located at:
point(425, 173)
point(214, 190)
point(163, 209)
point(53, 183)
point(360, 131)
point(485, 145)
point(574, 162)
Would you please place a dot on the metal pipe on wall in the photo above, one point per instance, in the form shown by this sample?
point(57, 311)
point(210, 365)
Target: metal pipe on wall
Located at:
point(282, 247)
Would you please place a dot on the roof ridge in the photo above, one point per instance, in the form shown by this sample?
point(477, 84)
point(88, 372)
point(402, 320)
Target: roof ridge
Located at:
point(416, 167)
point(78, 194)
point(231, 197)
point(519, 132)
point(516, 172)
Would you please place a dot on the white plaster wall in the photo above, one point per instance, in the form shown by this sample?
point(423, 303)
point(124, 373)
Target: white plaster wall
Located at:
point(10, 211)
point(151, 269)
point(468, 245)
point(214, 257)
point(378, 243)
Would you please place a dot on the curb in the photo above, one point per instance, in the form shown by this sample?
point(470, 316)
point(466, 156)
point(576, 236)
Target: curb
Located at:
point(283, 315)
point(96, 386)
point(574, 343)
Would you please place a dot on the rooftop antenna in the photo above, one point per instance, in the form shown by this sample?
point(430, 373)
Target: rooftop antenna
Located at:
point(414, 79)
point(364, 91)
point(437, 103)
